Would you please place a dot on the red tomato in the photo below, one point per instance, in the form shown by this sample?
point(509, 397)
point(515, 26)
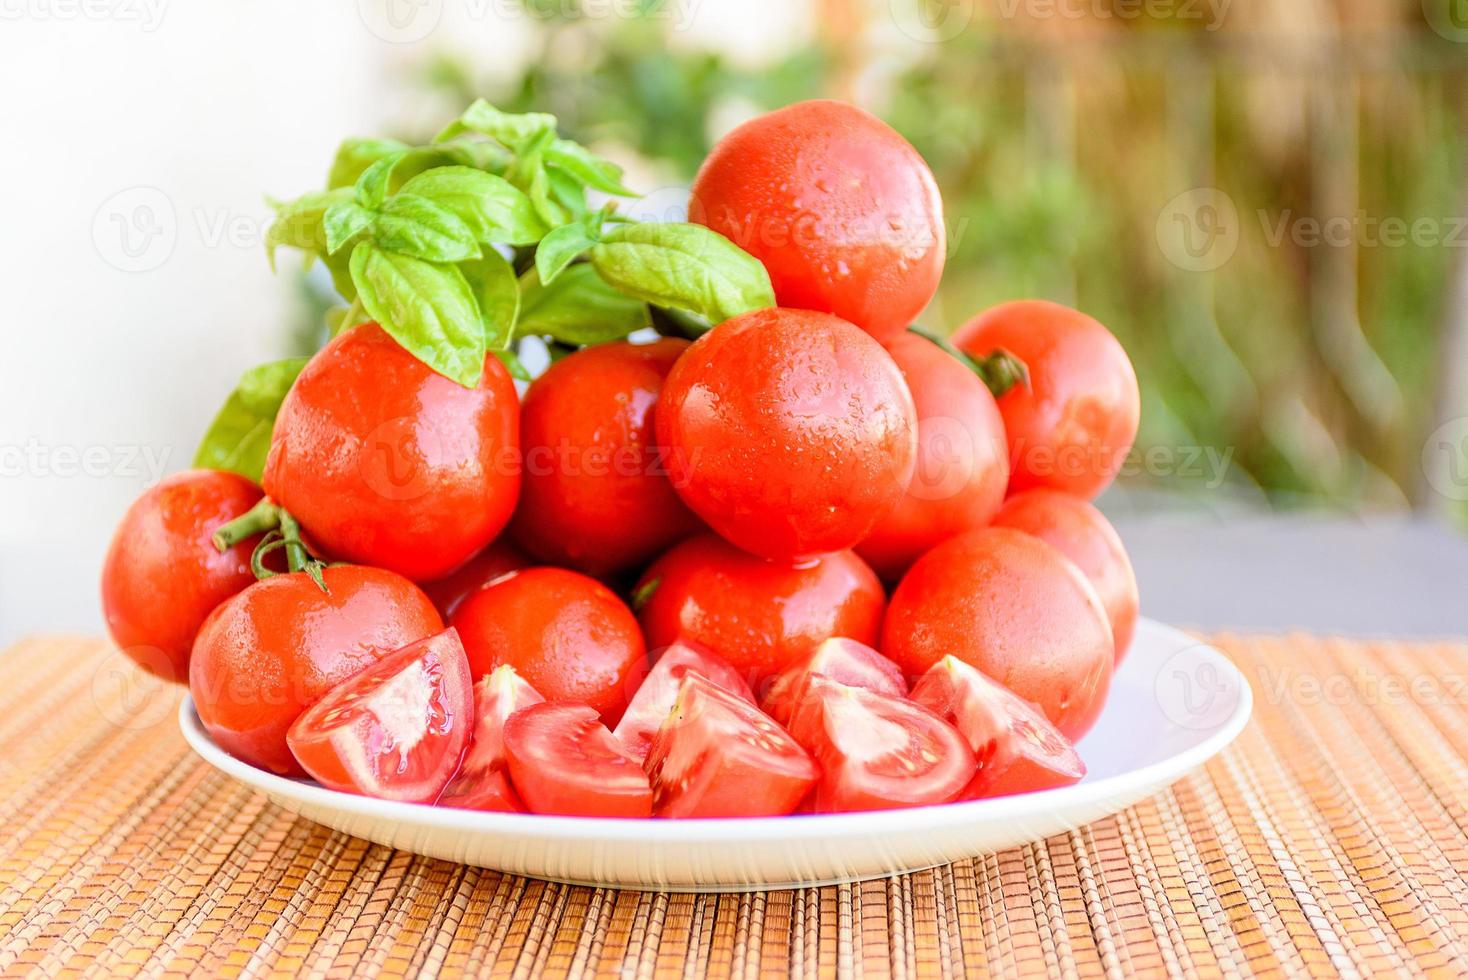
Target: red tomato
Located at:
point(563, 760)
point(1072, 425)
point(275, 649)
point(878, 752)
point(597, 496)
point(480, 784)
point(837, 659)
point(657, 693)
point(1018, 750)
point(1016, 609)
point(500, 558)
point(397, 729)
point(387, 463)
point(758, 615)
point(718, 755)
point(162, 576)
point(569, 636)
point(962, 460)
point(791, 433)
point(1081, 533)
point(841, 210)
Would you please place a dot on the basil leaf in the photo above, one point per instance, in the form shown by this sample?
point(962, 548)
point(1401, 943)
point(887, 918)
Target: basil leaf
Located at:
point(511, 361)
point(372, 186)
point(515, 130)
point(355, 155)
point(542, 195)
point(578, 308)
point(416, 226)
point(239, 436)
point(342, 222)
point(566, 191)
point(493, 281)
point(561, 247)
point(684, 266)
point(588, 168)
point(340, 267)
point(426, 307)
point(300, 223)
point(494, 209)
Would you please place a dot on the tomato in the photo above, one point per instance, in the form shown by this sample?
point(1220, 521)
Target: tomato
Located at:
point(480, 784)
point(1071, 426)
point(569, 636)
point(1016, 609)
point(838, 659)
point(563, 760)
point(658, 691)
point(270, 652)
point(758, 615)
point(386, 463)
point(596, 495)
point(878, 752)
point(1018, 750)
point(1081, 533)
point(841, 210)
point(500, 558)
point(718, 755)
point(162, 576)
point(397, 729)
point(791, 433)
point(962, 459)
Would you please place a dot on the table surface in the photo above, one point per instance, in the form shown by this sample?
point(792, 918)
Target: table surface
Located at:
point(1331, 838)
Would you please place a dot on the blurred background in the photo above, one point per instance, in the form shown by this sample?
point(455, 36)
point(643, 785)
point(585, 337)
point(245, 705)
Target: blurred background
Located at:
point(1264, 200)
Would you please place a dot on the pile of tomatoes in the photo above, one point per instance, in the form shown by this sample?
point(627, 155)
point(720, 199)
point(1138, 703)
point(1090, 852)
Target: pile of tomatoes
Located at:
point(809, 561)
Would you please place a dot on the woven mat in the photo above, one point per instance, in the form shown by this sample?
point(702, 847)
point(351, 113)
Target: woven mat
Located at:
point(1333, 837)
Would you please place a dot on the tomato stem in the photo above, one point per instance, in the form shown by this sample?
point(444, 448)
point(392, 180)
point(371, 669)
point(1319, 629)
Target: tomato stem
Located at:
point(281, 530)
point(260, 519)
point(999, 370)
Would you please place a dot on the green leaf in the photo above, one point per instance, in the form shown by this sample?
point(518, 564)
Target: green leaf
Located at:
point(340, 267)
point(239, 436)
point(511, 361)
point(543, 194)
point(343, 222)
point(578, 308)
point(494, 209)
point(685, 266)
point(416, 226)
point(372, 186)
point(566, 191)
point(355, 155)
point(518, 131)
point(588, 168)
point(493, 282)
point(300, 223)
point(561, 247)
point(427, 307)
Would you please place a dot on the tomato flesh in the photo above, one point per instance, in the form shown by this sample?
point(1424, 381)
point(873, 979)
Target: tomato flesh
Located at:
point(656, 696)
point(489, 791)
point(497, 696)
point(563, 760)
point(839, 659)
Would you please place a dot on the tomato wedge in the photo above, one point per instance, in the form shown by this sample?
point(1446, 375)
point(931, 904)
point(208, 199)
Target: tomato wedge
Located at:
point(717, 755)
point(395, 730)
point(480, 784)
point(878, 752)
point(563, 760)
point(840, 659)
point(654, 699)
point(1018, 749)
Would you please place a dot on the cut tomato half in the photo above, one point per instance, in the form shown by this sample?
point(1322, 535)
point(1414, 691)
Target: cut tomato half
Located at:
point(562, 760)
point(395, 730)
point(499, 694)
point(489, 790)
point(659, 690)
point(840, 659)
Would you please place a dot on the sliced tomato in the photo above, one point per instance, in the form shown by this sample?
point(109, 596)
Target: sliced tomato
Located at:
point(489, 791)
point(717, 755)
point(840, 659)
point(1017, 748)
point(395, 730)
point(563, 760)
point(654, 699)
point(878, 752)
point(499, 694)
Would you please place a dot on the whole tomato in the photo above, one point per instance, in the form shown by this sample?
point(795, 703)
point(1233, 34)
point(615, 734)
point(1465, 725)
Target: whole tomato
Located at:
point(500, 558)
point(1071, 426)
point(387, 463)
point(162, 576)
point(275, 649)
point(791, 433)
point(760, 616)
point(1016, 609)
point(841, 210)
point(596, 493)
point(962, 461)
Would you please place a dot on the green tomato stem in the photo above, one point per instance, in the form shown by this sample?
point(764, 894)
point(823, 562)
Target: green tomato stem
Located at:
point(260, 519)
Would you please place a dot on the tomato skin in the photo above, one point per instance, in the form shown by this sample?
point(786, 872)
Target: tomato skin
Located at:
point(1013, 607)
point(596, 495)
point(658, 692)
point(480, 784)
point(488, 792)
point(562, 760)
point(270, 652)
point(791, 433)
point(1081, 533)
point(842, 211)
point(500, 558)
point(758, 615)
point(839, 659)
point(567, 635)
point(1071, 427)
point(162, 576)
point(387, 463)
point(962, 460)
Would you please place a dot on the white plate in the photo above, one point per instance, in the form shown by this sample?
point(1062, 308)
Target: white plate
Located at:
point(1175, 703)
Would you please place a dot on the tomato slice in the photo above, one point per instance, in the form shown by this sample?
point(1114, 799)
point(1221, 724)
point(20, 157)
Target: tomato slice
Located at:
point(878, 752)
point(840, 659)
point(654, 699)
point(563, 760)
point(1018, 749)
point(717, 755)
point(499, 694)
point(395, 730)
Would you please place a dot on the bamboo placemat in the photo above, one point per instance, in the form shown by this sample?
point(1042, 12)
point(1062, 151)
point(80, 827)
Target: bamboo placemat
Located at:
point(1332, 838)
